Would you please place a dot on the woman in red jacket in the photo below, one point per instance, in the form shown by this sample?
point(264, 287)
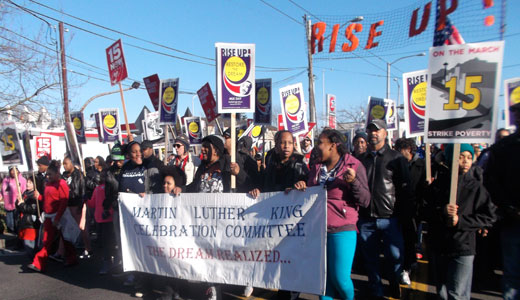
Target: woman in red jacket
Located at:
point(346, 182)
point(55, 200)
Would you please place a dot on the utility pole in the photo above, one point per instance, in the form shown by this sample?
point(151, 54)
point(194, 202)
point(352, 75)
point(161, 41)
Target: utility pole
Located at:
point(312, 103)
point(69, 130)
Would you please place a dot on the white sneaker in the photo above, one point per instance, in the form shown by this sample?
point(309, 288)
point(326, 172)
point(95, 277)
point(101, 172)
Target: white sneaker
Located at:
point(405, 278)
point(248, 291)
point(211, 292)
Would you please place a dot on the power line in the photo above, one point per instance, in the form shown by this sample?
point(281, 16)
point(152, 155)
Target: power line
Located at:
point(296, 21)
point(306, 11)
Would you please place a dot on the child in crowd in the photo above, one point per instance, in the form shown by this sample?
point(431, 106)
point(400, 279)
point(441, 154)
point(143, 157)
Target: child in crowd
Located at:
point(29, 222)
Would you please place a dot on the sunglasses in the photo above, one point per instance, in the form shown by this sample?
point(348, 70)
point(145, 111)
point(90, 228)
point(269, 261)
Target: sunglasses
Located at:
point(177, 145)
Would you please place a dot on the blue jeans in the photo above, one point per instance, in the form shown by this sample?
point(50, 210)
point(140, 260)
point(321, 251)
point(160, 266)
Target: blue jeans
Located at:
point(10, 219)
point(453, 276)
point(341, 247)
point(510, 237)
point(371, 232)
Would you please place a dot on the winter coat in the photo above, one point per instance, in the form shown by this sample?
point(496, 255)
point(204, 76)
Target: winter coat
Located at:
point(55, 198)
point(475, 211)
point(96, 202)
point(91, 182)
point(76, 182)
point(389, 184)
point(10, 191)
point(153, 179)
point(28, 211)
point(502, 178)
point(189, 166)
point(111, 187)
point(343, 199)
point(279, 176)
point(224, 164)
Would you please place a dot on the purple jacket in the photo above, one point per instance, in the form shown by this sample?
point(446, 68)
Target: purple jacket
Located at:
point(344, 199)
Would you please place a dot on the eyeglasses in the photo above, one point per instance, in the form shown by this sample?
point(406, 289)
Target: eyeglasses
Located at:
point(177, 145)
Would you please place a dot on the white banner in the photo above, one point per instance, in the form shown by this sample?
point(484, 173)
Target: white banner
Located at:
point(277, 241)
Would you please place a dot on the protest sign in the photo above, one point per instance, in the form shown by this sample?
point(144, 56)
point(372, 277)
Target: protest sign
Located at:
point(390, 114)
point(79, 126)
point(235, 77)
point(280, 123)
point(152, 129)
point(276, 241)
point(207, 101)
point(293, 109)
point(109, 125)
point(463, 92)
point(263, 102)
point(116, 62)
point(331, 110)
point(414, 90)
point(194, 129)
point(169, 98)
point(26, 142)
point(511, 97)
point(152, 83)
point(376, 109)
point(43, 147)
point(10, 148)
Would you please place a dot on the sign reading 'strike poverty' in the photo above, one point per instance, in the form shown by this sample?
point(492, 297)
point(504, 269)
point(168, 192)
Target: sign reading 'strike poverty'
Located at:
point(269, 242)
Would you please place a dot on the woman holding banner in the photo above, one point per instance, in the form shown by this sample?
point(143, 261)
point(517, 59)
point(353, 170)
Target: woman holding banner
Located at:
point(346, 182)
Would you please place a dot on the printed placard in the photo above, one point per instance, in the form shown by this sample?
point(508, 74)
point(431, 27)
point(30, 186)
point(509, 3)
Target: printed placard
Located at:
point(463, 92)
point(331, 110)
point(153, 130)
point(414, 91)
point(152, 84)
point(511, 97)
point(293, 109)
point(390, 114)
point(263, 101)
point(169, 95)
point(116, 62)
point(79, 126)
point(235, 77)
point(208, 103)
point(229, 238)
point(376, 109)
point(110, 126)
point(194, 129)
point(43, 147)
point(10, 148)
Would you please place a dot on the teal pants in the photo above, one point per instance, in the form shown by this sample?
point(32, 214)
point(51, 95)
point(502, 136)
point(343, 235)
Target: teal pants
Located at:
point(341, 247)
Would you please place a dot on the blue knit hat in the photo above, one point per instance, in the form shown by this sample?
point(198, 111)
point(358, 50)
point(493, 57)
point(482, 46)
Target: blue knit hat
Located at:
point(448, 151)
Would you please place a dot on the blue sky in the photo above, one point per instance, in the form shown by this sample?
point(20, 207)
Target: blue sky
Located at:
point(195, 26)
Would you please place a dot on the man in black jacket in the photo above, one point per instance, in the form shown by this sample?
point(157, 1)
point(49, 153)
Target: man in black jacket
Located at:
point(502, 179)
point(389, 183)
point(153, 166)
point(43, 164)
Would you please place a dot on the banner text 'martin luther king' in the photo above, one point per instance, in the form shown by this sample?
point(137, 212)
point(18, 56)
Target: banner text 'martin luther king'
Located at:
point(277, 241)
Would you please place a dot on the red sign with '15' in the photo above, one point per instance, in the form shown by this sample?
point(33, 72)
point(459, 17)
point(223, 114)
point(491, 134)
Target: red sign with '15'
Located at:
point(116, 62)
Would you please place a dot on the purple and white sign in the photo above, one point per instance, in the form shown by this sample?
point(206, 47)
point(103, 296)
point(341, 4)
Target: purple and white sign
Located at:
point(293, 109)
point(512, 97)
point(110, 126)
point(79, 126)
point(263, 101)
point(169, 91)
point(194, 129)
point(235, 77)
point(414, 89)
point(390, 114)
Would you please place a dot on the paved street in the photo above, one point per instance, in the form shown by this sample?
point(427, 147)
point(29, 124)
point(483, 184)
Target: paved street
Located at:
point(83, 282)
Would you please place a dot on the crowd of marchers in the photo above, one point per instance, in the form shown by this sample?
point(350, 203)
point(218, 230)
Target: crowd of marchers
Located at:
point(379, 201)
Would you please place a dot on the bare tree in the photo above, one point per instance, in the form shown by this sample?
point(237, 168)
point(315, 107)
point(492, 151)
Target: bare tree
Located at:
point(355, 114)
point(29, 77)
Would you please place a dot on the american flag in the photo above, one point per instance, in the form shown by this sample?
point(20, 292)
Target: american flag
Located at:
point(448, 35)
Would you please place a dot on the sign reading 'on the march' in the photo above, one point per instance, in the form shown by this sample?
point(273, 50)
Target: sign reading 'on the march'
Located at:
point(275, 242)
point(463, 92)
